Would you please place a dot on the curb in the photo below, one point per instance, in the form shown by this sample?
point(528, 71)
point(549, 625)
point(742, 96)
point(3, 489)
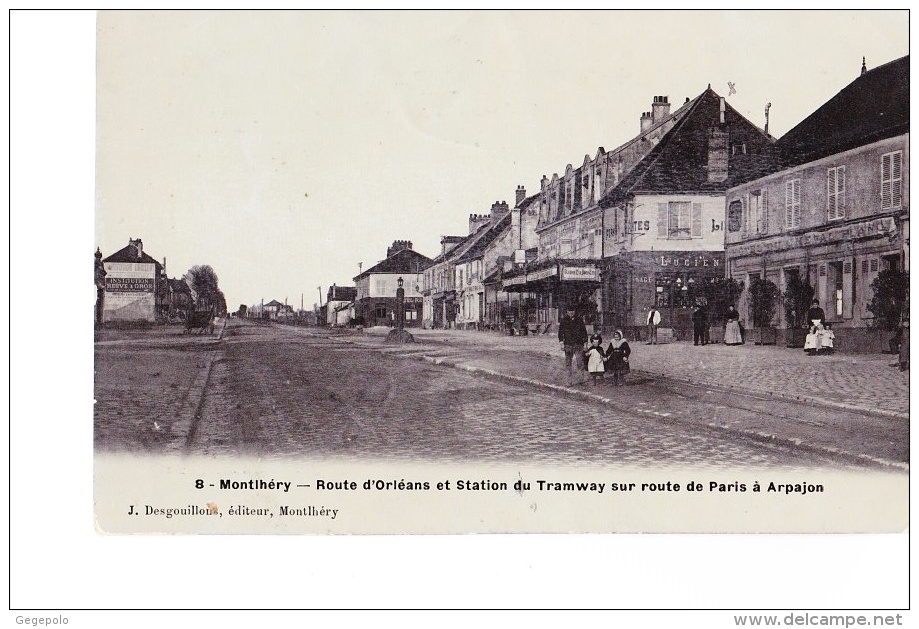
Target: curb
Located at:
point(759, 394)
point(759, 437)
point(768, 395)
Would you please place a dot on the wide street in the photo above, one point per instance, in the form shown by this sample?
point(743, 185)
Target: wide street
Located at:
point(273, 390)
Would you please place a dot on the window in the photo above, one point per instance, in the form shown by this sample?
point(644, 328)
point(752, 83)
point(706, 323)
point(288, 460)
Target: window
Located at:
point(735, 212)
point(891, 177)
point(792, 203)
point(679, 220)
point(756, 217)
point(837, 276)
point(836, 193)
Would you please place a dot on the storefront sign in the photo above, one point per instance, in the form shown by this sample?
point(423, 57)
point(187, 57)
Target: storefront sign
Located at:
point(514, 281)
point(129, 284)
point(542, 274)
point(866, 229)
point(580, 273)
point(689, 261)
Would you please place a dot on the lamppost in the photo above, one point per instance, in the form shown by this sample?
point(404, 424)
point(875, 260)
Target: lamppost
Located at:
point(400, 304)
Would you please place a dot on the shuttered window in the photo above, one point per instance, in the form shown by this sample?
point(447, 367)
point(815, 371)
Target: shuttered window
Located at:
point(662, 221)
point(836, 193)
point(680, 220)
point(762, 226)
point(792, 203)
point(696, 220)
point(891, 178)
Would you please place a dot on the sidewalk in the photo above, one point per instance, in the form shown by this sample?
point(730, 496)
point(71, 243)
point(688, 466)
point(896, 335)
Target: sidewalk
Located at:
point(854, 407)
point(863, 383)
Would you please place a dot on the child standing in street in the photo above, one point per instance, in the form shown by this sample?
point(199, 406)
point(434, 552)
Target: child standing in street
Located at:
point(595, 358)
point(617, 358)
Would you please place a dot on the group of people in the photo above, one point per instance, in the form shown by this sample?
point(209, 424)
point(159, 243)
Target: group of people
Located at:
point(820, 335)
point(572, 334)
point(733, 333)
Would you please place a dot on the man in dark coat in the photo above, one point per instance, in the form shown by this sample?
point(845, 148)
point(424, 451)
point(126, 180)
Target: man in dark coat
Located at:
point(572, 334)
point(699, 325)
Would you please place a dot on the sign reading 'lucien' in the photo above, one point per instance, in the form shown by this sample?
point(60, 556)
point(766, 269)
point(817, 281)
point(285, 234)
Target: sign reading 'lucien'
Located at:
point(129, 284)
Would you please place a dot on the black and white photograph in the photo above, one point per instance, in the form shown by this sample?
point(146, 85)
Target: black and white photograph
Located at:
point(400, 273)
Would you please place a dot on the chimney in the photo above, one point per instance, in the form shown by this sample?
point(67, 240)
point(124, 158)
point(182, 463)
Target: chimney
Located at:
point(864, 68)
point(397, 246)
point(138, 245)
point(499, 209)
point(521, 195)
point(477, 220)
point(646, 121)
point(660, 109)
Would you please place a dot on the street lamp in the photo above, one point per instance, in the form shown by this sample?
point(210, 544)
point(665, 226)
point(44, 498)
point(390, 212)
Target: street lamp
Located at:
point(400, 304)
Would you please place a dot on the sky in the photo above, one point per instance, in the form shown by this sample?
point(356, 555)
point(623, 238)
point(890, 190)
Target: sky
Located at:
point(285, 148)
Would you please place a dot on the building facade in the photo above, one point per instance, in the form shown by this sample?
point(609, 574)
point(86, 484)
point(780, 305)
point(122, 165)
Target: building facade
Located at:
point(375, 289)
point(835, 208)
point(135, 286)
point(631, 227)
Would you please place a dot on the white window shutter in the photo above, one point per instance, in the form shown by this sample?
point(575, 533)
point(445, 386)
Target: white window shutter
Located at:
point(696, 220)
point(789, 205)
point(886, 197)
point(763, 212)
point(663, 222)
point(831, 193)
point(895, 179)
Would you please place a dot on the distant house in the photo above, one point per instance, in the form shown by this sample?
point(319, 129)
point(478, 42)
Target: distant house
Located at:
point(135, 286)
point(272, 309)
point(180, 299)
point(375, 298)
point(337, 297)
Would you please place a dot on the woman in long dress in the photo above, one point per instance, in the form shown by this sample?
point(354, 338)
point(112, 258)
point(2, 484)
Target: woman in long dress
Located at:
point(732, 334)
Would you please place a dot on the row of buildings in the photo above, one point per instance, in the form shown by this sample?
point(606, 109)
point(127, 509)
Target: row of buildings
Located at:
point(699, 193)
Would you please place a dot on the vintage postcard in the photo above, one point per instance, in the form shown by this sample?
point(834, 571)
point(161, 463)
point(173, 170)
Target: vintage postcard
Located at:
point(501, 272)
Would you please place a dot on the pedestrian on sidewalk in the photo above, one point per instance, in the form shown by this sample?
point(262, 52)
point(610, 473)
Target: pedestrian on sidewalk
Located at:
point(732, 334)
point(904, 346)
point(595, 357)
point(699, 325)
point(572, 334)
point(654, 320)
point(617, 358)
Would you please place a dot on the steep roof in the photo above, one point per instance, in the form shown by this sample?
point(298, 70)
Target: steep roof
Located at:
point(403, 261)
point(179, 285)
point(341, 293)
point(129, 254)
point(873, 107)
point(680, 161)
point(487, 237)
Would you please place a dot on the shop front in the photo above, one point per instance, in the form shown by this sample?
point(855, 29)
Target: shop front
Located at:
point(638, 280)
point(840, 263)
point(544, 291)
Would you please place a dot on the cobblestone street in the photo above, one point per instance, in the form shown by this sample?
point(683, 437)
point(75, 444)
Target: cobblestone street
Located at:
point(283, 391)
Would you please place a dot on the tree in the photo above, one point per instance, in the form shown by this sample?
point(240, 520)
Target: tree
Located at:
point(797, 298)
point(764, 296)
point(888, 303)
point(716, 295)
point(202, 280)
